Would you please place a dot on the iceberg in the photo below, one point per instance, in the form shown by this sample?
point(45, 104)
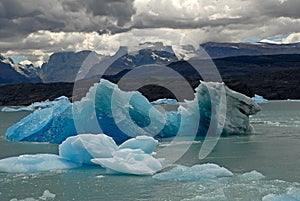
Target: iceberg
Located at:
point(130, 161)
point(134, 156)
point(251, 176)
point(145, 143)
point(124, 115)
point(259, 99)
point(194, 173)
point(164, 101)
point(91, 149)
point(35, 106)
point(53, 125)
point(35, 163)
point(82, 148)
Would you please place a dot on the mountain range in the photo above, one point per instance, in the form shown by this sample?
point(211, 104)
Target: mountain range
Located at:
point(65, 66)
point(271, 70)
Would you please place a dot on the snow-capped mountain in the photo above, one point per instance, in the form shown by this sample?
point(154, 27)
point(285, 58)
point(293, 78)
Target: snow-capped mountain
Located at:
point(16, 73)
point(66, 66)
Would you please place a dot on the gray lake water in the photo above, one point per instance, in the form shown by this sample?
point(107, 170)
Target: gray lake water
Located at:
point(273, 150)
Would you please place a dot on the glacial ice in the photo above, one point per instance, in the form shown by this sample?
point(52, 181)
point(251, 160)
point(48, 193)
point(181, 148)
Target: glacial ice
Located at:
point(290, 195)
point(164, 101)
point(251, 176)
point(123, 115)
point(130, 161)
point(92, 149)
point(53, 125)
point(82, 148)
point(47, 195)
point(145, 143)
point(131, 157)
point(35, 105)
point(35, 163)
point(194, 173)
point(259, 99)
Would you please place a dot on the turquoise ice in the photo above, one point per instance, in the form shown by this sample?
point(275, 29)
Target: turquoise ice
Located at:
point(124, 115)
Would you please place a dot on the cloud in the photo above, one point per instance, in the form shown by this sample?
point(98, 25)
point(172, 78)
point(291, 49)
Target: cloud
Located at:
point(290, 38)
point(38, 46)
point(19, 18)
point(36, 29)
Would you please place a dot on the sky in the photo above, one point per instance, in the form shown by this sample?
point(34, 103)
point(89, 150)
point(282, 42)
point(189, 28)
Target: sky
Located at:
point(34, 29)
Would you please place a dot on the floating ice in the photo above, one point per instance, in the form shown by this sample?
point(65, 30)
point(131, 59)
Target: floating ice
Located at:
point(92, 149)
point(145, 143)
point(293, 100)
point(35, 105)
point(259, 99)
point(216, 195)
point(164, 101)
point(194, 173)
point(123, 115)
point(253, 175)
point(47, 195)
point(130, 161)
point(35, 163)
point(82, 148)
point(53, 125)
point(290, 195)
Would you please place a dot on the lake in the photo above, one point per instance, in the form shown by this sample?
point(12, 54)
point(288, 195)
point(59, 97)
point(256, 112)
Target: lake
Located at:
point(272, 150)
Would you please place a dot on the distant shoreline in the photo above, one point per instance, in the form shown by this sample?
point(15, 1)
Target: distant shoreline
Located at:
point(268, 87)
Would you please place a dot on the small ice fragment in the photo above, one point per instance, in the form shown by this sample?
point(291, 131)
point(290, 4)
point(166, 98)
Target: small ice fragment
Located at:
point(47, 195)
point(194, 173)
point(35, 163)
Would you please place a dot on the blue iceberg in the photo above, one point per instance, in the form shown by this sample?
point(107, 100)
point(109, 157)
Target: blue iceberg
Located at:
point(35, 163)
point(124, 115)
point(53, 125)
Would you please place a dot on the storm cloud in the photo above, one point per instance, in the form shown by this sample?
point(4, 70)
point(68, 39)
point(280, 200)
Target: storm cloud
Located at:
point(36, 29)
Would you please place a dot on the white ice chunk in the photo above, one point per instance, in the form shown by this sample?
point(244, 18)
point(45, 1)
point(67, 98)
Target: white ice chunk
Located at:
point(130, 161)
point(82, 148)
point(145, 143)
point(164, 101)
point(259, 99)
point(36, 105)
point(35, 163)
point(47, 195)
point(290, 195)
point(253, 175)
point(194, 173)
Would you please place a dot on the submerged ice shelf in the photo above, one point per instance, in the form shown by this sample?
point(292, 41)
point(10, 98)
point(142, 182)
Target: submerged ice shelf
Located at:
point(123, 115)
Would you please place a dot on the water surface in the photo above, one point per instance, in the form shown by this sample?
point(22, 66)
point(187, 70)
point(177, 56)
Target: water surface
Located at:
point(272, 150)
